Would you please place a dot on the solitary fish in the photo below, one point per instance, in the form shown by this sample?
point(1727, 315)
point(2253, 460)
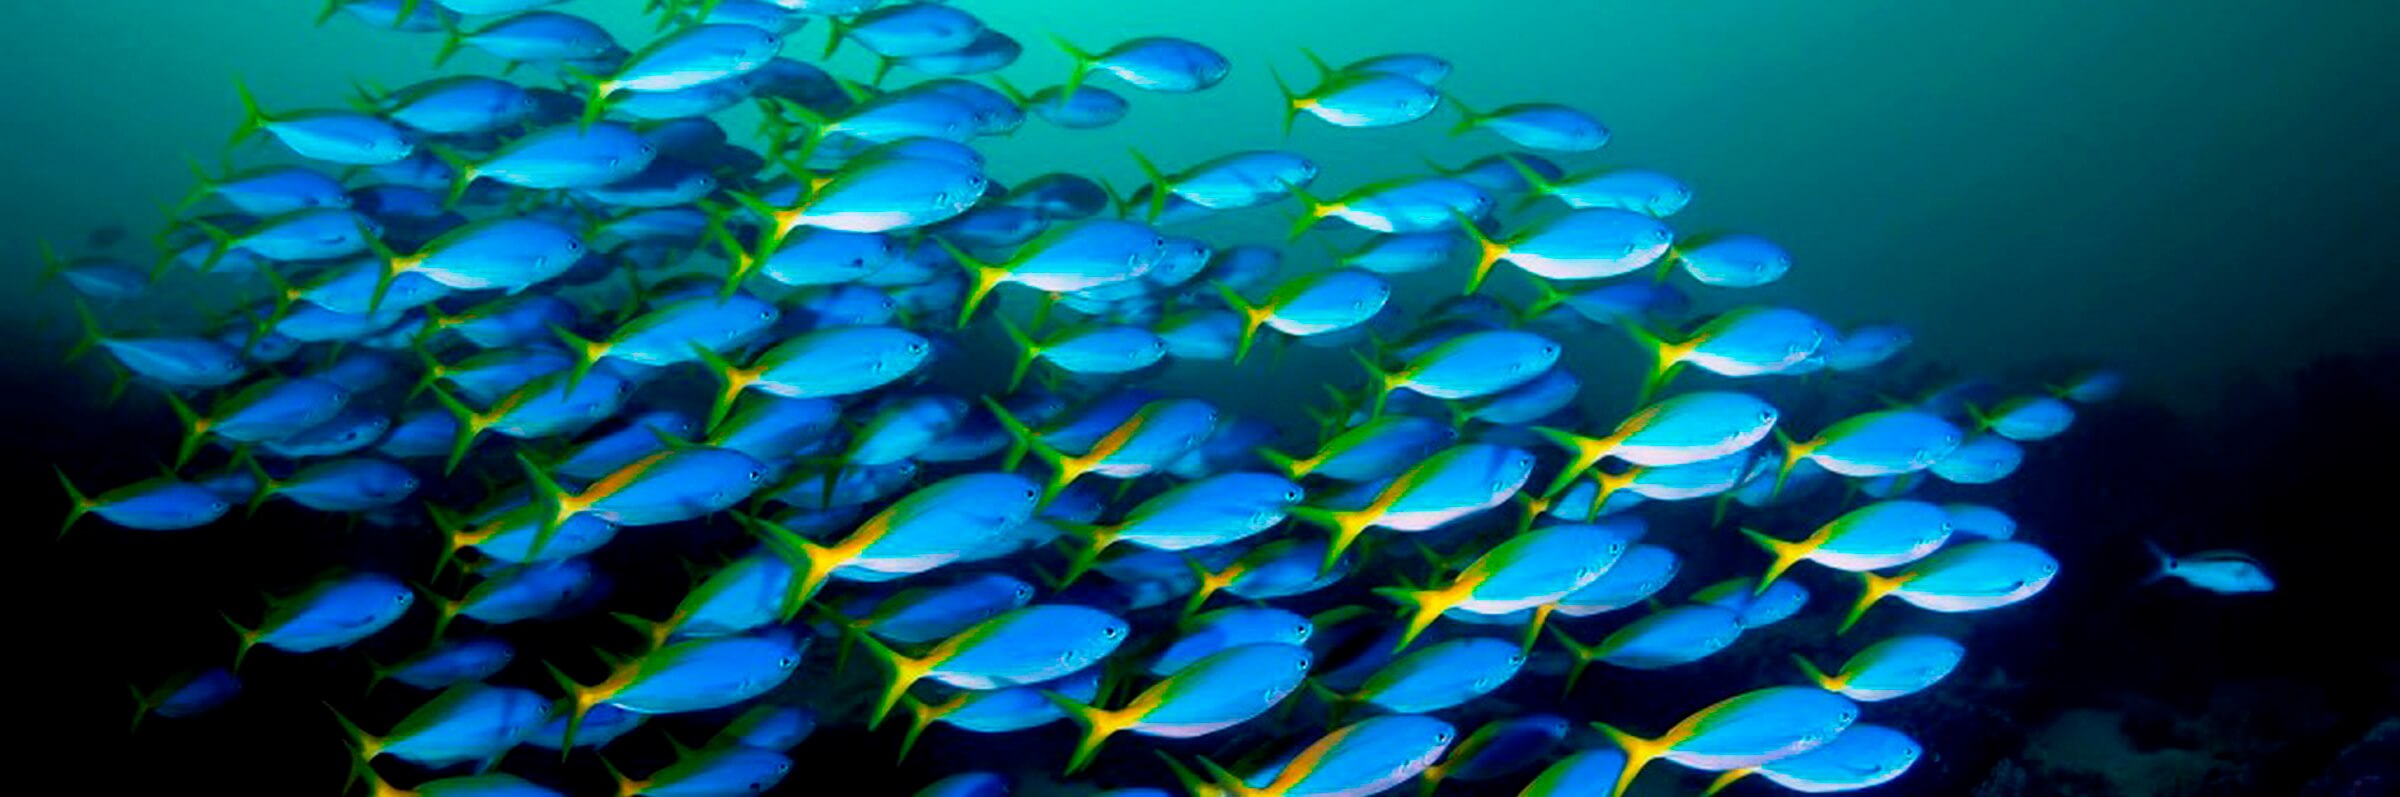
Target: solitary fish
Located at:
point(2221, 572)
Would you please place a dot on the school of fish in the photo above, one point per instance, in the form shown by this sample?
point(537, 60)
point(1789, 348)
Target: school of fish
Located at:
point(519, 317)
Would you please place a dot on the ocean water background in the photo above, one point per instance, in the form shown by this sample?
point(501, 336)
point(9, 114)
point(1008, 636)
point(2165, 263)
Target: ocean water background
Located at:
point(2199, 193)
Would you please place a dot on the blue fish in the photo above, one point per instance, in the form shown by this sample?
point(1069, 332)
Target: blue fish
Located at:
point(1895, 667)
point(336, 613)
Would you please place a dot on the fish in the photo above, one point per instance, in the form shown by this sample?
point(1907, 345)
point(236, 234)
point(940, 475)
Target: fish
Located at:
point(1584, 772)
point(1381, 447)
point(1452, 483)
point(1218, 691)
point(335, 613)
point(1215, 510)
point(768, 727)
point(826, 363)
point(1535, 125)
point(187, 695)
point(1732, 260)
point(1665, 638)
point(1879, 443)
point(1742, 342)
point(1024, 646)
point(1864, 756)
point(2025, 418)
point(163, 503)
point(467, 722)
point(1969, 577)
point(1527, 571)
point(1002, 710)
point(1437, 677)
point(1470, 365)
point(728, 769)
point(1317, 304)
point(1757, 609)
point(1740, 732)
point(1895, 667)
point(1880, 535)
point(1499, 748)
point(2221, 572)
point(1152, 63)
point(1678, 430)
point(1067, 258)
point(694, 675)
point(1153, 436)
point(1359, 99)
point(341, 137)
point(924, 530)
point(447, 664)
point(1366, 757)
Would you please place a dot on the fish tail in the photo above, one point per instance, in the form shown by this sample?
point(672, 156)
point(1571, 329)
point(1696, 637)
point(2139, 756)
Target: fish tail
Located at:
point(812, 563)
point(1729, 777)
point(78, 504)
point(1253, 317)
point(731, 381)
point(92, 335)
point(141, 708)
point(219, 243)
point(1665, 357)
point(1546, 296)
point(1587, 451)
point(586, 352)
point(1538, 185)
point(1083, 66)
point(1208, 585)
point(982, 277)
point(254, 118)
point(835, 31)
point(248, 638)
point(465, 177)
point(1159, 186)
point(1423, 606)
point(1786, 555)
point(1718, 508)
point(920, 717)
point(1808, 669)
point(470, 426)
point(1095, 539)
point(1227, 783)
point(580, 700)
point(1872, 588)
point(433, 370)
point(1639, 752)
point(266, 486)
point(2166, 561)
point(1582, 653)
point(1097, 724)
point(1294, 469)
point(1467, 117)
point(326, 14)
point(595, 99)
point(445, 610)
point(1793, 452)
point(195, 429)
point(1336, 703)
point(1291, 101)
point(1028, 350)
point(52, 264)
point(1312, 209)
point(364, 747)
point(453, 38)
point(551, 498)
point(905, 673)
point(1488, 252)
point(1345, 525)
point(1381, 383)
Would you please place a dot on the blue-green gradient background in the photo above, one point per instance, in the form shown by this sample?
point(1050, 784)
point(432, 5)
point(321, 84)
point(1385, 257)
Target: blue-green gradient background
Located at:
point(2197, 191)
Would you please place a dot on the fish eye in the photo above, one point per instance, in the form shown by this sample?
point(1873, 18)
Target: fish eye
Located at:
point(1113, 631)
point(402, 597)
point(218, 506)
point(787, 662)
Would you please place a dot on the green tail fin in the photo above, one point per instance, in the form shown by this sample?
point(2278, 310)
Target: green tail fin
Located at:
point(1083, 66)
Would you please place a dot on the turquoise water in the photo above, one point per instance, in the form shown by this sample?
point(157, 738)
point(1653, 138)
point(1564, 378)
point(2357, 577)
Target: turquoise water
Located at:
point(2196, 194)
point(2194, 191)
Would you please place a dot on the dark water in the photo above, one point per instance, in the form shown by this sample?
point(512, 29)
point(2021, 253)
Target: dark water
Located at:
point(2197, 193)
